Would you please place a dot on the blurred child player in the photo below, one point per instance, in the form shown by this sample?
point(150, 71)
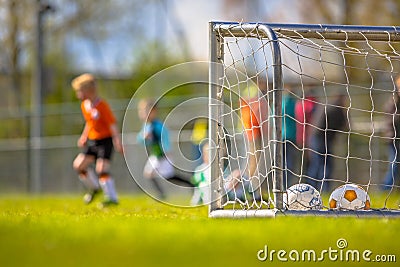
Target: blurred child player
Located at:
point(156, 139)
point(154, 135)
point(98, 139)
point(201, 180)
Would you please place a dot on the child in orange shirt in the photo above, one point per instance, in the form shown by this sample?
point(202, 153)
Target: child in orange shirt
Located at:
point(99, 137)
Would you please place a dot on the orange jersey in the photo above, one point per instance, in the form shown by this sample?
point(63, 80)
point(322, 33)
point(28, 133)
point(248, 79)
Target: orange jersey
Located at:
point(99, 118)
point(249, 115)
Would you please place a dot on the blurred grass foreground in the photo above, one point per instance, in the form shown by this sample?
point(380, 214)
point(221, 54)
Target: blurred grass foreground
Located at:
point(54, 230)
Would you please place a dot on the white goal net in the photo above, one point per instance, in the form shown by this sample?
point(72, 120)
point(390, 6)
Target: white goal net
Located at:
point(298, 105)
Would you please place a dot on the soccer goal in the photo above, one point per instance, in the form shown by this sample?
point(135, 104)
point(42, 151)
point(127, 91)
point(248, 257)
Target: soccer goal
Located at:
point(303, 119)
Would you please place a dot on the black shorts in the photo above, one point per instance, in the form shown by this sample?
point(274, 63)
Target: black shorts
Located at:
point(102, 148)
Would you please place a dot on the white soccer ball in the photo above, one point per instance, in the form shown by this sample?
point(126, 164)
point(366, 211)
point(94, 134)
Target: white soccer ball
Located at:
point(349, 197)
point(302, 197)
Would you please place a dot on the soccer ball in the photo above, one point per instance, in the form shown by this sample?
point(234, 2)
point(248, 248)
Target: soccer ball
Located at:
point(302, 197)
point(349, 197)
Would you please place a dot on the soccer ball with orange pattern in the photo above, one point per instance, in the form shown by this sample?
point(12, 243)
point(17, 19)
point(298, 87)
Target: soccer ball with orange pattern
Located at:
point(349, 197)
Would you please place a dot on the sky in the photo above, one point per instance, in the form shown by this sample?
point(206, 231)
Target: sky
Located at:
point(115, 54)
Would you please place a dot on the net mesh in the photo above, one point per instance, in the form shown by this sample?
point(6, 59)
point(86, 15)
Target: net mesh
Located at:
point(340, 121)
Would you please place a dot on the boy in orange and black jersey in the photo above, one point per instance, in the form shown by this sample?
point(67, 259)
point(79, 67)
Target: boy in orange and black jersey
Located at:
point(99, 137)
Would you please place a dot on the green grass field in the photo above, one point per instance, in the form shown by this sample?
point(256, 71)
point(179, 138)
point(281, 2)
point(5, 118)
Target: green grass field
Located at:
point(61, 231)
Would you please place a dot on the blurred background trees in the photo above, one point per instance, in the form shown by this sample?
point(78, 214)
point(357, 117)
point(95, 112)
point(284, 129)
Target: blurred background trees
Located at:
point(128, 41)
point(123, 42)
point(352, 12)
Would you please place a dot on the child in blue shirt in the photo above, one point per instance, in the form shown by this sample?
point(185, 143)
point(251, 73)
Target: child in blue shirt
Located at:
point(155, 137)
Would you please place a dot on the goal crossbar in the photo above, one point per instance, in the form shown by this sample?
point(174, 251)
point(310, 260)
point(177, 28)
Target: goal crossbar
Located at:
point(329, 32)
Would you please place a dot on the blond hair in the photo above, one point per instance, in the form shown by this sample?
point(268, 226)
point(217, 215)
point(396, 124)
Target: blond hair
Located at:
point(84, 81)
point(148, 104)
point(397, 81)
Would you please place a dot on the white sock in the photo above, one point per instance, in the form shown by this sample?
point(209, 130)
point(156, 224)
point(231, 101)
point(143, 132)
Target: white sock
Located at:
point(90, 180)
point(109, 189)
